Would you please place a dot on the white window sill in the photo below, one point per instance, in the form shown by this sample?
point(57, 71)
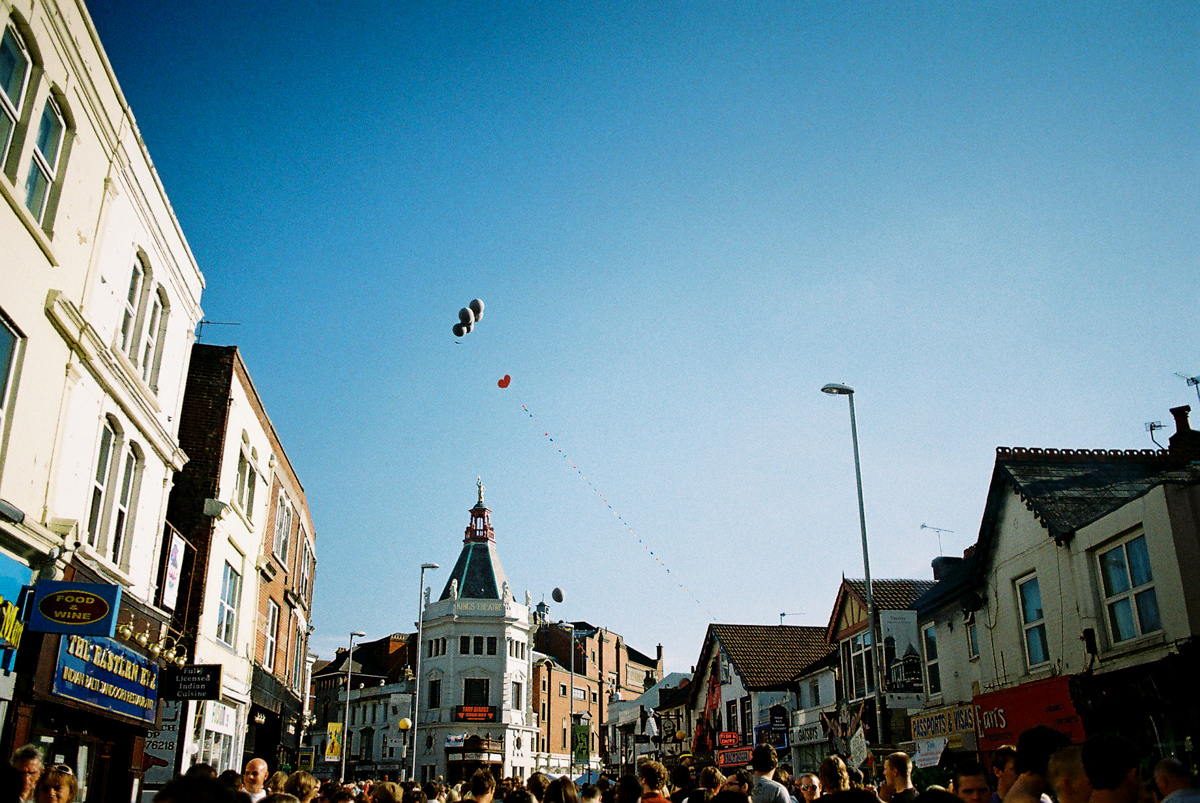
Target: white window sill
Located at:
point(1133, 645)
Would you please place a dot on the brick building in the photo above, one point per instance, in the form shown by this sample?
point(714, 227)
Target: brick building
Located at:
point(247, 574)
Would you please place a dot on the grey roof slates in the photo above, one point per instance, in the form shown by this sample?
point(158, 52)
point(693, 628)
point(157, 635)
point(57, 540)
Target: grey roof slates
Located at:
point(891, 594)
point(478, 572)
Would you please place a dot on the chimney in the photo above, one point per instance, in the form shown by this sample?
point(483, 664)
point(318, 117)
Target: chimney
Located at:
point(1186, 441)
point(943, 565)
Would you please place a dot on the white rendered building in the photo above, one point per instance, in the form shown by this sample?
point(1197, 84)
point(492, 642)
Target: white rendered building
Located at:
point(475, 668)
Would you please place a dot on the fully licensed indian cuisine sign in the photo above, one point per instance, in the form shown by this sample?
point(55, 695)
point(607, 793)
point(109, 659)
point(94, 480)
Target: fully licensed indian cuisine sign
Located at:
point(105, 674)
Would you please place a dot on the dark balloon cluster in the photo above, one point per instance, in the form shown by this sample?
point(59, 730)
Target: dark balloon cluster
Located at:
point(467, 318)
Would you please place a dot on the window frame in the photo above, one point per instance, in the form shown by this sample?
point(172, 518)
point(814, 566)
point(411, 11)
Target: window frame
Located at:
point(153, 335)
point(124, 503)
point(1032, 624)
point(283, 527)
point(40, 164)
point(228, 604)
point(247, 478)
point(858, 652)
point(271, 645)
point(929, 652)
point(11, 108)
point(1132, 594)
point(107, 453)
point(469, 696)
point(434, 697)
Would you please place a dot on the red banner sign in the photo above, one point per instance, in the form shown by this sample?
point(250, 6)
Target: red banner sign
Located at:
point(1001, 716)
point(728, 739)
point(737, 757)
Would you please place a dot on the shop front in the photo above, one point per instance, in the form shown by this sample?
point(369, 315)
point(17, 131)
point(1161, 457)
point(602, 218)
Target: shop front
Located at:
point(15, 579)
point(475, 753)
point(810, 743)
point(273, 729)
point(939, 734)
point(1002, 716)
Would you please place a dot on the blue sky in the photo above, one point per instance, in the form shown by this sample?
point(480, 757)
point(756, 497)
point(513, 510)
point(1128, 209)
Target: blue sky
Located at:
point(684, 219)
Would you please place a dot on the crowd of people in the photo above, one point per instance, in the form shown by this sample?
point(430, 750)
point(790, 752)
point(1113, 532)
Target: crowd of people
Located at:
point(1043, 767)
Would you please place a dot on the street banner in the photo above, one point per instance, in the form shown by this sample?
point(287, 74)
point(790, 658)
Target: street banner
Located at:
point(333, 747)
point(582, 751)
point(305, 759)
point(170, 589)
point(929, 752)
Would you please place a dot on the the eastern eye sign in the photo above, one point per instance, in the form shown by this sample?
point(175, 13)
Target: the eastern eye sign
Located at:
point(82, 609)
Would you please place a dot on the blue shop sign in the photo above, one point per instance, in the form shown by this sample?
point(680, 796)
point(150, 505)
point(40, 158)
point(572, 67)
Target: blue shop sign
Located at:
point(15, 579)
point(82, 609)
point(106, 674)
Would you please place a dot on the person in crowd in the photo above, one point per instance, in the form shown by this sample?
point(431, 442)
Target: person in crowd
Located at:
point(1066, 777)
point(201, 770)
point(1004, 769)
point(589, 793)
point(708, 784)
point(1034, 748)
point(483, 786)
point(275, 782)
point(1110, 762)
point(653, 777)
point(253, 779)
point(897, 778)
point(519, 794)
point(536, 784)
point(303, 785)
point(280, 797)
point(562, 790)
point(628, 789)
point(415, 795)
point(27, 761)
point(765, 789)
point(56, 785)
point(969, 782)
point(856, 778)
point(807, 787)
point(433, 791)
point(740, 781)
point(833, 776)
point(1173, 784)
point(232, 779)
point(385, 792)
point(683, 782)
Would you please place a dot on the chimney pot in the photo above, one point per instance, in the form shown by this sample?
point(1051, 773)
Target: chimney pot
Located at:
point(1185, 441)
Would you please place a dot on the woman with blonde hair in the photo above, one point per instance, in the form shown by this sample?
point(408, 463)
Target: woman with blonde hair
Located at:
point(833, 775)
point(57, 785)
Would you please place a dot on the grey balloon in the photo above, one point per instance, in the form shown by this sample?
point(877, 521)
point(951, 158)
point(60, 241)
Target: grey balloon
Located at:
point(459, 330)
point(466, 316)
point(557, 595)
point(467, 327)
point(477, 307)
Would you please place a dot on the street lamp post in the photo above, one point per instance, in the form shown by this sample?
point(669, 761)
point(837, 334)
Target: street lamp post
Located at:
point(346, 711)
point(835, 389)
point(571, 701)
point(417, 680)
point(404, 724)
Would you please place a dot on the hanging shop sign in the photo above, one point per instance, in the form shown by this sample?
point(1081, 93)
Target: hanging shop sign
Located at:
point(737, 757)
point(809, 733)
point(175, 554)
point(105, 674)
point(333, 747)
point(158, 762)
point(766, 734)
point(193, 682)
point(304, 759)
point(81, 609)
point(728, 739)
point(1001, 716)
point(955, 723)
point(778, 716)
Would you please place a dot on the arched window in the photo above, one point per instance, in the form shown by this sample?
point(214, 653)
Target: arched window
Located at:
point(101, 481)
point(283, 527)
point(15, 66)
point(152, 340)
point(138, 275)
point(124, 504)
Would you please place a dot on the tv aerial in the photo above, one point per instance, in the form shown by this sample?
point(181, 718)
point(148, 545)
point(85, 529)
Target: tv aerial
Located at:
point(939, 532)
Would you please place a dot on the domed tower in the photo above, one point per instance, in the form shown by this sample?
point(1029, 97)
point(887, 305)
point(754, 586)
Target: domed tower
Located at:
point(478, 574)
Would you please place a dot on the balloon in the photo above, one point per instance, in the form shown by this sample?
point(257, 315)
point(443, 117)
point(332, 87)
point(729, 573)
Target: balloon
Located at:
point(467, 327)
point(466, 316)
point(459, 331)
point(477, 307)
point(557, 595)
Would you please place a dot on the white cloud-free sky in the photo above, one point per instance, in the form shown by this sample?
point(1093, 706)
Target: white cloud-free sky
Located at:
point(684, 219)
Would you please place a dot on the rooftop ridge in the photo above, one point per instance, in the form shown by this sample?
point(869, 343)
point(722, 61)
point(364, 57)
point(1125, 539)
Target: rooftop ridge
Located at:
point(1081, 455)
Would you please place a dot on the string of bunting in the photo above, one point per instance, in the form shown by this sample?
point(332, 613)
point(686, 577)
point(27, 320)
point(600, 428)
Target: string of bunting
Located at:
point(624, 524)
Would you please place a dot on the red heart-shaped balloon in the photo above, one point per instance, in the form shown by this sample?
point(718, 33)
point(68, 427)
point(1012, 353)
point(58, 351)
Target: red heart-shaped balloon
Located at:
point(503, 383)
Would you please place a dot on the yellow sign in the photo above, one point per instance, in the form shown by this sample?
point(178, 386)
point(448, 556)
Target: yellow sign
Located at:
point(333, 747)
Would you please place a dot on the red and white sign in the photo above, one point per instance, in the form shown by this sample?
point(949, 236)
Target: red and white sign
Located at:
point(1002, 716)
point(728, 739)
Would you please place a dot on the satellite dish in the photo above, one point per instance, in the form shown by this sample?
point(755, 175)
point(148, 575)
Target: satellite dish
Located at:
point(557, 595)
